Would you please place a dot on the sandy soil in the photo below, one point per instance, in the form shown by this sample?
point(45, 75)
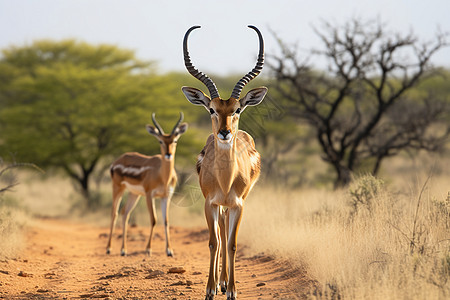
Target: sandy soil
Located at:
point(67, 260)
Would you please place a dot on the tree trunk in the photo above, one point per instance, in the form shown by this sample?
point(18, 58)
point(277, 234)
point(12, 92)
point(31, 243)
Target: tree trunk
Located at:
point(82, 181)
point(343, 176)
point(92, 199)
point(377, 165)
point(84, 184)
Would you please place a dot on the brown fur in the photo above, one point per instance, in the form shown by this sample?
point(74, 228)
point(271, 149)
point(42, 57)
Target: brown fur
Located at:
point(244, 176)
point(156, 177)
point(149, 176)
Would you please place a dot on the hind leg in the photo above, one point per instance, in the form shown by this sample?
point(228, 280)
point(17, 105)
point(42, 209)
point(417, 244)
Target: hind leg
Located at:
point(129, 206)
point(118, 190)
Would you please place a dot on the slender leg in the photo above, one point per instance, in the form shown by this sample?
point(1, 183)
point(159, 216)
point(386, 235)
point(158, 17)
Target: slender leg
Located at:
point(223, 243)
point(212, 215)
point(151, 211)
point(117, 197)
point(216, 271)
point(129, 206)
point(234, 219)
point(219, 233)
point(165, 203)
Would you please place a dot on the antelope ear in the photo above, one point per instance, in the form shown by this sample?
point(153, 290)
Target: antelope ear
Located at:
point(181, 129)
point(253, 97)
point(195, 96)
point(152, 130)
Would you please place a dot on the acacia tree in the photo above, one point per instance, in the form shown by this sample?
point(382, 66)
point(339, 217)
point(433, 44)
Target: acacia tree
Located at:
point(70, 104)
point(362, 108)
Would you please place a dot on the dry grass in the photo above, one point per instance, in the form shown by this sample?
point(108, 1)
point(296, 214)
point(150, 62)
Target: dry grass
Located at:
point(372, 241)
point(12, 223)
point(46, 196)
point(13, 219)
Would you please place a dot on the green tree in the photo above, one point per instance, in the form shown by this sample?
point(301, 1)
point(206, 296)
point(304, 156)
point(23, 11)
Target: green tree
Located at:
point(70, 105)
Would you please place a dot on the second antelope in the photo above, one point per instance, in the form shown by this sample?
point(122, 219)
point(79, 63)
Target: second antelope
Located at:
point(148, 176)
point(228, 167)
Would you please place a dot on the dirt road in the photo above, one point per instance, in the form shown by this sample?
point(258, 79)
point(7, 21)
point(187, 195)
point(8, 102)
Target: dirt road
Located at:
point(67, 260)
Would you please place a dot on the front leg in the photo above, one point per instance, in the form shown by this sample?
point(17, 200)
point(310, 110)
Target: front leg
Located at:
point(165, 203)
point(151, 211)
point(212, 215)
point(234, 220)
point(223, 245)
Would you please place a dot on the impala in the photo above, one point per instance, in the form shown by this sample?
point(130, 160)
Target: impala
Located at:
point(228, 167)
point(149, 176)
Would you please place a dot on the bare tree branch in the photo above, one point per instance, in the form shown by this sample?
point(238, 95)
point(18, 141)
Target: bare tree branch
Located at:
point(352, 106)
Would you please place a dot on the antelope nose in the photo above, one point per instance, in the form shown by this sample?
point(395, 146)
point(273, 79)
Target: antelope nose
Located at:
point(224, 134)
point(168, 156)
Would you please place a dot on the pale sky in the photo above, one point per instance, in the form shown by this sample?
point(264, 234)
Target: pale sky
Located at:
point(224, 44)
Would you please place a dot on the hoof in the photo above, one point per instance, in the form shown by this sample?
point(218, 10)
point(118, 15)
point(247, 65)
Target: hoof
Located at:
point(148, 252)
point(210, 293)
point(231, 296)
point(123, 253)
point(223, 288)
point(169, 252)
point(108, 251)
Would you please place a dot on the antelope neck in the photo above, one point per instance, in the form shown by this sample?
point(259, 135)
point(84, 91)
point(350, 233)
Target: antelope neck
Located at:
point(225, 164)
point(167, 168)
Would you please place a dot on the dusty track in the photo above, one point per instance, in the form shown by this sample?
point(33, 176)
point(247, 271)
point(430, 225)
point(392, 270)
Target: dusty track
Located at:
point(67, 260)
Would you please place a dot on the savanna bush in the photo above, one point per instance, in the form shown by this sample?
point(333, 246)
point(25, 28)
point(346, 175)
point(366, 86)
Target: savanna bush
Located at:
point(364, 191)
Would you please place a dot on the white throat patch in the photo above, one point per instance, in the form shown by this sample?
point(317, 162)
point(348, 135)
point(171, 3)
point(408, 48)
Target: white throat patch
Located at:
point(225, 146)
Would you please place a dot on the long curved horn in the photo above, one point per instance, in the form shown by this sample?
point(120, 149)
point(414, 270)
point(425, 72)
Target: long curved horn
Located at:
point(178, 123)
point(157, 124)
point(256, 70)
point(196, 73)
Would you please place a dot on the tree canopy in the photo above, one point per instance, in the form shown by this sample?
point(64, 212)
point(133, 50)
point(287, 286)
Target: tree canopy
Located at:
point(69, 104)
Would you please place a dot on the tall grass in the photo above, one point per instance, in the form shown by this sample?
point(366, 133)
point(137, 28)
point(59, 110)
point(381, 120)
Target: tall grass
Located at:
point(12, 222)
point(12, 216)
point(370, 241)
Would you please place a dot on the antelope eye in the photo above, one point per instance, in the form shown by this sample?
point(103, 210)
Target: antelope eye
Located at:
point(160, 142)
point(238, 111)
point(211, 111)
